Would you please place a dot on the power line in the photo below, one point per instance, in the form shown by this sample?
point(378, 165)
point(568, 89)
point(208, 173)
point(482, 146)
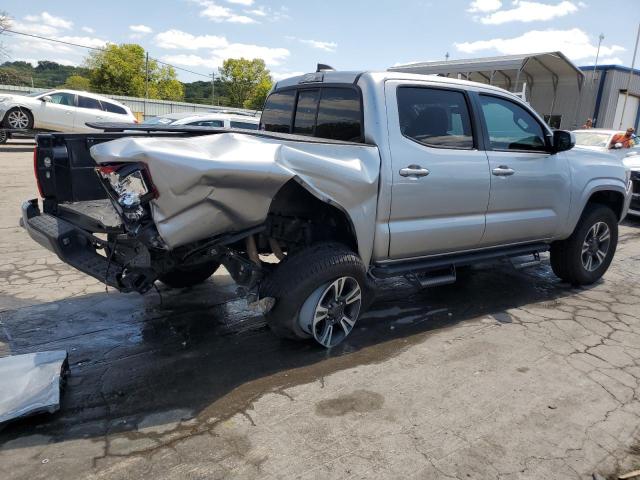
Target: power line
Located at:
point(49, 39)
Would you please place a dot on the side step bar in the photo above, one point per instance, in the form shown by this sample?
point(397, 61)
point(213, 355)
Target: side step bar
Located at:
point(452, 261)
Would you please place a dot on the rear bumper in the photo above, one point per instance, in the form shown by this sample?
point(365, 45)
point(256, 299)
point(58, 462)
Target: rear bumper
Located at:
point(71, 244)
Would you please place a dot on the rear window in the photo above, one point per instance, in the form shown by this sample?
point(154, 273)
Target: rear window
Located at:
point(247, 125)
point(110, 107)
point(278, 109)
point(330, 112)
point(88, 102)
point(207, 123)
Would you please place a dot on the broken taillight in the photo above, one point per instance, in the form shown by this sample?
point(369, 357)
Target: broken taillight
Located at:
point(129, 184)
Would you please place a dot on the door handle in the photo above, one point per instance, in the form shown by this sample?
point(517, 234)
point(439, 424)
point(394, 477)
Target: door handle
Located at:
point(503, 171)
point(414, 171)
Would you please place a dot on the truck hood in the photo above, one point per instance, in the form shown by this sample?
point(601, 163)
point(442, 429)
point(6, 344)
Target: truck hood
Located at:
point(215, 184)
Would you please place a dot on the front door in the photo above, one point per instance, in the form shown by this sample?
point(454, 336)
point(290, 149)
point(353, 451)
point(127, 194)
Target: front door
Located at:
point(58, 113)
point(440, 185)
point(530, 187)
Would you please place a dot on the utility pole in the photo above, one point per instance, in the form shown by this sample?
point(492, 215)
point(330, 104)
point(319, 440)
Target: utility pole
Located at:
point(213, 87)
point(633, 64)
point(146, 85)
point(446, 57)
point(595, 67)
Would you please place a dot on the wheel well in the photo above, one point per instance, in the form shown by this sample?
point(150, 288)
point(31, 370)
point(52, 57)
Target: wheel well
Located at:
point(21, 108)
point(298, 218)
point(609, 198)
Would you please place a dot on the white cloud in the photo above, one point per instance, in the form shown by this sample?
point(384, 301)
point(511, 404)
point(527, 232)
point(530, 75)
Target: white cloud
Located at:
point(34, 28)
point(46, 18)
point(484, 5)
point(326, 46)
point(220, 13)
point(574, 43)
point(528, 11)
point(246, 3)
point(610, 61)
point(258, 12)
point(140, 28)
point(220, 49)
point(177, 39)
point(88, 30)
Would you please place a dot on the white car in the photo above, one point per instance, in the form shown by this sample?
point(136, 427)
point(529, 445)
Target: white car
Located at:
point(61, 111)
point(220, 120)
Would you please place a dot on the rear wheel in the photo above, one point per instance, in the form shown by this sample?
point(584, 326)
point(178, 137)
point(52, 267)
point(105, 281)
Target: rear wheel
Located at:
point(188, 277)
point(320, 293)
point(585, 256)
point(18, 118)
point(4, 136)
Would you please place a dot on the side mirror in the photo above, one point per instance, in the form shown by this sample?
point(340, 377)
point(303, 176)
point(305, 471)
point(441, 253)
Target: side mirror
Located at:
point(46, 98)
point(563, 140)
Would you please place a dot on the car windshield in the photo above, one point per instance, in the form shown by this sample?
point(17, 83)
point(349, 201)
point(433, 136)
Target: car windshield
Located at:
point(592, 139)
point(158, 121)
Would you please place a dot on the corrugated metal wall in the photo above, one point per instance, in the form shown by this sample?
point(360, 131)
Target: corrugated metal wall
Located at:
point(615, 83)
point(153, 107)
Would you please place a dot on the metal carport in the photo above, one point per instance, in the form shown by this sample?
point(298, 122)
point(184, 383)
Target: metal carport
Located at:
point(545, 80)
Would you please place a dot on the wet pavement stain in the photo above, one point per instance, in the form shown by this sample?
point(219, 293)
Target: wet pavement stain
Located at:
point(360, 401)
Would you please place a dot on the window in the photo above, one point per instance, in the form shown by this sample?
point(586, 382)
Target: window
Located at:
point(435, 117)
point(62, 98)
point(510, 126)
point(245, 125)
point(305, 119)
point(207, 123)
point(278, 109)
point(337, 115)
point(113, 108)
point(88, 102)
point(340, 115)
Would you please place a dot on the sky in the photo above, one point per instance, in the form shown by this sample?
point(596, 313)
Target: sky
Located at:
point(293, 36)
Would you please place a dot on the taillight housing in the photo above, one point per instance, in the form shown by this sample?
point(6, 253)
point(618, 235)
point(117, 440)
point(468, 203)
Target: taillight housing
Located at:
point(130, 186)
point(35, 171)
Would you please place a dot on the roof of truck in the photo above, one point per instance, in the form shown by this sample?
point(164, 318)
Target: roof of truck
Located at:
point(352, 77)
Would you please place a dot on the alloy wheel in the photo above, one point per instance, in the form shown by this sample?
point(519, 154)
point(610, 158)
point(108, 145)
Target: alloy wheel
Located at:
point(596, 246)
point(18, 119)
point(331, 311)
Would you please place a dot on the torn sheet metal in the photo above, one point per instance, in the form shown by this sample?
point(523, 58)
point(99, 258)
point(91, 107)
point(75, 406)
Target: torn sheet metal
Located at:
point(31, 383)
point(214, 184)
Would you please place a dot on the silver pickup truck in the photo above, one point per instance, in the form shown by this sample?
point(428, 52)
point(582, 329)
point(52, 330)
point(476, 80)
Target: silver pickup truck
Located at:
point(352, 177)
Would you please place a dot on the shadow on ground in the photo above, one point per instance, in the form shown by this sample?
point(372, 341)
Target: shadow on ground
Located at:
point(202, 351)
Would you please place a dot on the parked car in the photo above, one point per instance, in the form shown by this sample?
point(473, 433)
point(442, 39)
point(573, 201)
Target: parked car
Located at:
point(599, 139)
point(61, 111)
point(354, 177)
point(221, 120)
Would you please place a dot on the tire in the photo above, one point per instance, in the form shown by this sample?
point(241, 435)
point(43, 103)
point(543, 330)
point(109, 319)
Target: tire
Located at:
point(571, 263)
point(309, 279)
point(4, 136)
point(188, 277)
point(18, 118)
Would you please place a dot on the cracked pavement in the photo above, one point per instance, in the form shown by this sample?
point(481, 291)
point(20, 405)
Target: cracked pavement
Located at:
point(507, 374)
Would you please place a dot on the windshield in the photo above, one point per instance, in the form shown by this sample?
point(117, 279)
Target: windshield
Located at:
point(158, 121)
point(592, 139)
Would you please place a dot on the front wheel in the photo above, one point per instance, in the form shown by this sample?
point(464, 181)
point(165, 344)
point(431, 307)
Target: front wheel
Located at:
point(585, 256)
point(19, 118)
point(320, 293)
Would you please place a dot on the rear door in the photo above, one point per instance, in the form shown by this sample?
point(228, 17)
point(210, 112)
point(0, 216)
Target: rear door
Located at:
point(440, 186)
point(89, 110)
point(58, 113)
point(530, 187)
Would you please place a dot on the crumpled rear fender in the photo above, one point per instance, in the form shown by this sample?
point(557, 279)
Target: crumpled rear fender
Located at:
point(215, 184)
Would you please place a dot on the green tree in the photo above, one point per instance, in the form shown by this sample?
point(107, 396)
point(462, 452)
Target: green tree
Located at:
point(77, 82)
point(120, 70)
point(247, 81)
